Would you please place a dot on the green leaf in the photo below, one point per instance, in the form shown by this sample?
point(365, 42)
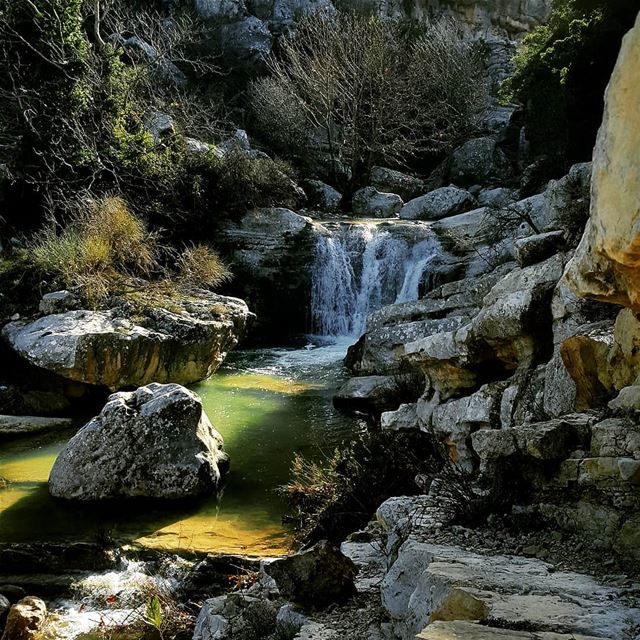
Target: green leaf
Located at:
point(153, 613)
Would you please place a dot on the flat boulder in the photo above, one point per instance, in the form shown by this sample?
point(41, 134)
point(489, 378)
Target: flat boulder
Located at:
point(316, 577)
point(183, 343)
point(371, 203)
point(438, 204)
point(393, 181)
point(155, 442)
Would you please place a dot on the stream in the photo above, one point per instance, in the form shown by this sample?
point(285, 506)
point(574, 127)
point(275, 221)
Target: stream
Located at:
point(268, 404)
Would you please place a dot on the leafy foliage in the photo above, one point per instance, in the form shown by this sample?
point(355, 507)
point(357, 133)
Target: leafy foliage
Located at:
point(561, 72)
point(80, 94)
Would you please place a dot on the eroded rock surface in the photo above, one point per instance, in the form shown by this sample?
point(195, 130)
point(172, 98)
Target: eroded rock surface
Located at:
point(155, 442)
point(183, 343)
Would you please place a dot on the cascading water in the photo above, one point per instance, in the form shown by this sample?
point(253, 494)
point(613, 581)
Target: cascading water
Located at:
point(359, 268)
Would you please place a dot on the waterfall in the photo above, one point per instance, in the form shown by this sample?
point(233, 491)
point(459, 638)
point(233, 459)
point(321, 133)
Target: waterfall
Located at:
point(360, 267)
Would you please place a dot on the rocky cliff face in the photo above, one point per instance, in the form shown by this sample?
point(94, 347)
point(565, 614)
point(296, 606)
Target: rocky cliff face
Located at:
point(606, 263)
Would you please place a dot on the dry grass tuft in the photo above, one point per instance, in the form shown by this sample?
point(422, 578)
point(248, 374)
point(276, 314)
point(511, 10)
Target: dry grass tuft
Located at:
point(200, 266)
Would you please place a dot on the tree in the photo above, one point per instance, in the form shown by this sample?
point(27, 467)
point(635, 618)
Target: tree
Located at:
point(561, 73)
point(346, 92)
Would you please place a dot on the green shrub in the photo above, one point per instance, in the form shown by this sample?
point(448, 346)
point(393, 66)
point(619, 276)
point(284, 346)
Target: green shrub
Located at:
point(561, 72)
point(200, 266)
point(97, 250)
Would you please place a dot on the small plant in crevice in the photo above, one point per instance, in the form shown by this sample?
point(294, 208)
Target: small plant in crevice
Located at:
point(332, 498)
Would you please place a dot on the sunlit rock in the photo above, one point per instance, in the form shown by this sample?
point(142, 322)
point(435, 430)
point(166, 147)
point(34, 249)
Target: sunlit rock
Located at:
point(155, 442)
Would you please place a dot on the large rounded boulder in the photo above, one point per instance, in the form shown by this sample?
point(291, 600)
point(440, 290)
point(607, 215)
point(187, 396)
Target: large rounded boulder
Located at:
point(155, 442)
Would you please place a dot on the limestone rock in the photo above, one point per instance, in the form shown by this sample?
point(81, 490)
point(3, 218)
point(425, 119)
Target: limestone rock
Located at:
point(220, 9)
point(155, 442)
point(438, 204)
point(627, 400)
point(371, 203)
point(606, 263)
point(316, 577)
point(615, 437)
point(479, 161)
point(25, 619)
point(106, 348)
point(290, 620)
point(405, 418)
point(392, 181)
point(453, 422)
point(493, 444)
point(382, 350)
point(58, 301)
point(370, 395)
point(553, 439)
point(246, 42)
point(462, 630)
point(429, 583)
point(497, 197)
point(538, 247)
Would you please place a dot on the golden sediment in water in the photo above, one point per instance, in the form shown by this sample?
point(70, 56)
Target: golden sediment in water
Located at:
point(264, 420)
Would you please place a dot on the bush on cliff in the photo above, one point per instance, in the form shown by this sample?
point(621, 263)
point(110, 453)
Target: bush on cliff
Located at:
point(105, 101)
point(349, 91)
point(562, 70)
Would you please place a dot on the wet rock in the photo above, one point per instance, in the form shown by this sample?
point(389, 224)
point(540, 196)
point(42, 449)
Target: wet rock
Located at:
point(19, 425)
point(12, 593)
point(479, 161)
point(392, 181)
point(369, 395)
point(538, 247)
point(155, 442)
point(316, 577)
point(371, 203)
point(438, 204)
point(25, 619)
point(605, 266)
point(55, 558)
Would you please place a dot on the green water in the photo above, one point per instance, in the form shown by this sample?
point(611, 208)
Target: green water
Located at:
point(268, 404)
